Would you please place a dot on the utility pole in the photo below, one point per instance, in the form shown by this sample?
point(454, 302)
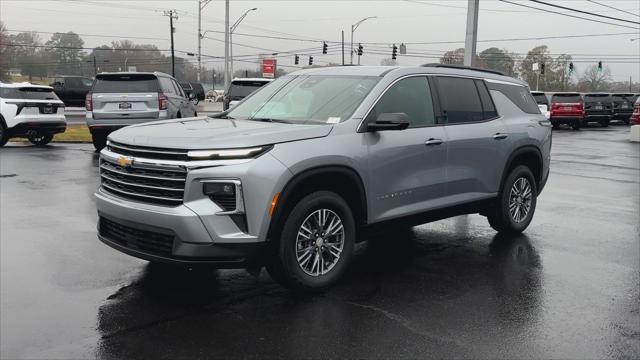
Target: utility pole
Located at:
point(342, 47)
point(172, 15)
point(95, 66)
point(630, 83)
point(201, 5)
point(227, 77)
point(471, 38)
point(353, 29)
point(231, 30)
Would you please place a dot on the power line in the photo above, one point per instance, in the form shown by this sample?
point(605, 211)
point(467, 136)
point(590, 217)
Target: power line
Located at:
point(88, 35)
point(569, 15)
point(614, 8)
point(584, 12)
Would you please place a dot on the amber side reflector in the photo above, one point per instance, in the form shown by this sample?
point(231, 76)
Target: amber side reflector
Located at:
point(274, 202)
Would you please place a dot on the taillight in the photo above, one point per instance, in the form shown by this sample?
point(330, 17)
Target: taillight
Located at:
point(162, 101)
point(88, 102)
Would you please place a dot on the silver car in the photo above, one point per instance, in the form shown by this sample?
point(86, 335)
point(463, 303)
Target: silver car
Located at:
point(296, 174)
point(117, 100)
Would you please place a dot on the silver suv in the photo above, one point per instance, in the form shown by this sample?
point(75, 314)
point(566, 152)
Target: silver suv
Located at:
point(117, 100)
point(296, 174)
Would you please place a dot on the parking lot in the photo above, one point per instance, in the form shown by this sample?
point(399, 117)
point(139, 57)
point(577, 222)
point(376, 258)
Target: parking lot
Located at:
point(567, 288)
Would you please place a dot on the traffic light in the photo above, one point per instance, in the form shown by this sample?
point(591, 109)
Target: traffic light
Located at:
point(324, 47)
point(360, 48)
point(310, 60)
point(571, 69)
point(542, 68)
point(599, 65)
point(394, 52)
point(296, 60)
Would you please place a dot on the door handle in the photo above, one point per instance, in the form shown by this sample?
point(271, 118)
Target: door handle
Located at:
point(499, 136)
point(432, 142)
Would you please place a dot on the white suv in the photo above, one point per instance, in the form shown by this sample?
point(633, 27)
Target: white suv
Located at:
point(32, 111)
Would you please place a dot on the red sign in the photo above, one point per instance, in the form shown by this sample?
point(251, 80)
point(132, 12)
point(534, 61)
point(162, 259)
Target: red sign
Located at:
point(269, 68)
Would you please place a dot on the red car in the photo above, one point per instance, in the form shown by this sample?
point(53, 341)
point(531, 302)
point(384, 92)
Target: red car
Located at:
point(567, 108)
point(635, 117)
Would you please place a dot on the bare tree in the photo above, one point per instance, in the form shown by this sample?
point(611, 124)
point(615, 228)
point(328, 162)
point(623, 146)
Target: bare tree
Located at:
point(455, 57)
point(5, 52)
point(594, 79)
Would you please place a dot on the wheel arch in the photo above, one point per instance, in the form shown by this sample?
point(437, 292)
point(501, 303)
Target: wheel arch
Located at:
point(343, 180)
point(528, 155)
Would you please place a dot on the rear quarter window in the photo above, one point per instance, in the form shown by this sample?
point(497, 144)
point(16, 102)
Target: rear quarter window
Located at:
point(518, 95)
point(125, 84)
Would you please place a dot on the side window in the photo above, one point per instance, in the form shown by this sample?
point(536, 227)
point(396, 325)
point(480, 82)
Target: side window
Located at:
point(519, 95)
point(411, 96)
point(488, 108)
point(459, 100)
point(74, 83)
point(166, 86)
point(178, 88)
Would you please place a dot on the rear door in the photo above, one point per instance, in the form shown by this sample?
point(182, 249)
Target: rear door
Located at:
point(187, 108)
point(174, 100)
point(477, 139)
point(406, 167)
point(125, 96)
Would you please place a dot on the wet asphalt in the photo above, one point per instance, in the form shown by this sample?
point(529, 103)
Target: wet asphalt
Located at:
point(567, 288)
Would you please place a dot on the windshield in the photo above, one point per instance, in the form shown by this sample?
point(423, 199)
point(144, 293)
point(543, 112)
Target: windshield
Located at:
point(27, 93)
point(597, 97)
point(307, 98)
point(244, 88)
point(125, 84)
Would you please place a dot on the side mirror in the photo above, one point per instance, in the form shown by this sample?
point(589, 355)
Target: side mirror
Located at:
point(389, 121)
point(191, 95)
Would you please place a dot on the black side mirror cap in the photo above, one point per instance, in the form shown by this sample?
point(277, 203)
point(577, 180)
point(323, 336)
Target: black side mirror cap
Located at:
point(389, 121)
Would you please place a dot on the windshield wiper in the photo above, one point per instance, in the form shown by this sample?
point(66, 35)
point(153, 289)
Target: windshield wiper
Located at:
point(271, 120)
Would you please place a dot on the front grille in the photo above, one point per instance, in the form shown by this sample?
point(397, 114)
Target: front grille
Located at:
point(156, 186)
point(147, 241)
point(148, 152)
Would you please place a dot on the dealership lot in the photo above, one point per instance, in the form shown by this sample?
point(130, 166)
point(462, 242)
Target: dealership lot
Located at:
point(568, 288)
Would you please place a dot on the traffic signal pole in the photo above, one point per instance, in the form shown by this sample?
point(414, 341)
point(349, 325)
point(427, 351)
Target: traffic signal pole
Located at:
point(471, 38)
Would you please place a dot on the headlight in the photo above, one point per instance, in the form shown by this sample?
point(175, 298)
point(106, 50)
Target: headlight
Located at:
point(245, 153)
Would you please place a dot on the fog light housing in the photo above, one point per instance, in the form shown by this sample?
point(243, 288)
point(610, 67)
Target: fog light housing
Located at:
point(227, 194)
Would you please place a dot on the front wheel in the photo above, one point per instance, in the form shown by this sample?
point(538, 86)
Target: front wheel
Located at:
point(99, 140)
point(41, 139)
point(576, 125)
point(316, 243)
point(514, 208)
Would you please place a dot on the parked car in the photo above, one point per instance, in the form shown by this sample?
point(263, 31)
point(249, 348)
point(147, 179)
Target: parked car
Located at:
point(298, 172)
point(543, 103)
point(31, 111)
point(72, 90)
point(598, 107)
point(623, 106)
point(121, 99)
point(567, 108)
point(241, 88)
point(635, 116)
point(194, 88)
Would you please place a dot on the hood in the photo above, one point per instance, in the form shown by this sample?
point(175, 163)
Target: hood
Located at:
point(210, 133)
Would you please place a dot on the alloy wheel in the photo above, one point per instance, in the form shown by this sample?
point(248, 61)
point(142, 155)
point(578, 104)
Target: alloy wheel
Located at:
point(520, 199)
point(319, 242)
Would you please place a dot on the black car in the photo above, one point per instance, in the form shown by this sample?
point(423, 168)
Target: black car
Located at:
point(193, 88)
point(72, 90)
point(598, 107)
point(241, 88)
point(623, 106)
point(541, 98)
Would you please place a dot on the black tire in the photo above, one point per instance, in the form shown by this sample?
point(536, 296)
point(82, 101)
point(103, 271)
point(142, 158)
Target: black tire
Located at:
point(604, 123)
point(195, 113)
point(283, 265)
point(99, 140)
point(576, 125)
point(555, 126)
point(3, 135)
point(41, 140)
point(499, 216)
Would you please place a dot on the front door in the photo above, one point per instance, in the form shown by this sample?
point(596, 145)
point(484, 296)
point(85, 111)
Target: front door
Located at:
point(406, 167)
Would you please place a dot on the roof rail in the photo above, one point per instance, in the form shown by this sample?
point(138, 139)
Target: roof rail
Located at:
point(462, 67)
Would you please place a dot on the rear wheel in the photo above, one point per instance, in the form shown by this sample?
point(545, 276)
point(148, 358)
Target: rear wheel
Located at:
point(3, 135)
point(41, 139)
point(99, 140)
point(576, 125)
point(316, 243)
point(604, 123)
point(514, 208)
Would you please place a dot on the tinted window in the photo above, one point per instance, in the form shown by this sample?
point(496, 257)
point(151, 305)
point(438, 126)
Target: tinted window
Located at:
point(459, 100)
point(166, 86)
point(244, 88)
point(74, 83)
point(86, 82)
point(125, 84)
point(411, 96)
point(597, 98)
point(27, 93)
point(518, 95)
point(540, 98)
point(624, 98)
point(488, 108)
point(566, 98)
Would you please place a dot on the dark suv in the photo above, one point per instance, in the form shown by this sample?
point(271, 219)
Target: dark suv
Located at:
point(623, 106)
point(598, 108)
point(72, 90)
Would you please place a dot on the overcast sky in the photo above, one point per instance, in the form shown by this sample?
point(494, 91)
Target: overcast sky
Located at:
point(397, 21)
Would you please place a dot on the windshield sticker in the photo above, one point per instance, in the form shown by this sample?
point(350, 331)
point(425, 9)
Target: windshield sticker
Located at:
point(333, 120)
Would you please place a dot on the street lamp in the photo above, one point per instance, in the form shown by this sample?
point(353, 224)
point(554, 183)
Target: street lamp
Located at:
point(231, 30)
point(353, 29)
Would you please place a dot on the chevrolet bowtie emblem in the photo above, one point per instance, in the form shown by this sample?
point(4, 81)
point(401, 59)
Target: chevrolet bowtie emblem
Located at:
point(125, 161)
